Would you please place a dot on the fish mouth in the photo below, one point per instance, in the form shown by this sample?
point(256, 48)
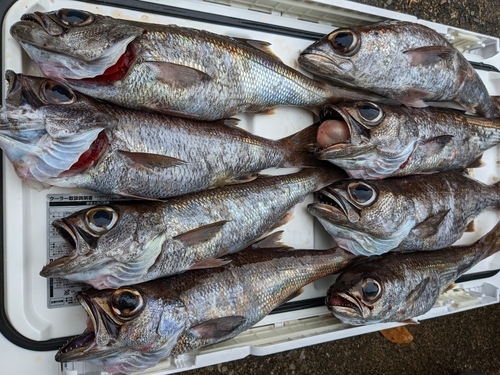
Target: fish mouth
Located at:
point(85, 345)
point(332, 206)
point(73, 236)
point(334, 133)
point(81, 344)
point(339, 302)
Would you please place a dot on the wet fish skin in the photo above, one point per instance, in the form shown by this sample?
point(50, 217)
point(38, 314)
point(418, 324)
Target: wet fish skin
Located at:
point(421, 212)
point(404, 61)
point(101, 147)
point(402, 140)
point(171, 69)
point(198, 308)
point(123, 244)
point(399, 287)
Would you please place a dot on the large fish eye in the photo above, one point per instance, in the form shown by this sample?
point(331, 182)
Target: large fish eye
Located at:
point(126, 303)
point(75, 17)
point(371, 289)
point(55, 93)
point(345, 42)
point(362, 193)
point(371, 113)
point(101, 219)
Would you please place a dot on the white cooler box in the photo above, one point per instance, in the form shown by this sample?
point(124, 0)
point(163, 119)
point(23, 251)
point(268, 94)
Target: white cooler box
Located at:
point(38, 315)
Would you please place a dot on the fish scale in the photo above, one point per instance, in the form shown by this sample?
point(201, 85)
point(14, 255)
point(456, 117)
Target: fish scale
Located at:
point(198, 308)
point(165, 156)
point(155, 239)
point(176, 70)
point(403, 286)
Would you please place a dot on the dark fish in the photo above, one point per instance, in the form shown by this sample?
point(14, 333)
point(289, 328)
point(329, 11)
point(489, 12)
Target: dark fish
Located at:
point(404, 61)
point(421, 212)
point(167, 68)
point(56, 136)
point(372, 141)
point(134, 327)
point(123, 244)
point(399, 287)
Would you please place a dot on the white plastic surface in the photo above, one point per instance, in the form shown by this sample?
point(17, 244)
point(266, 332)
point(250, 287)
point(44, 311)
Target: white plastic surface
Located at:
point(25, 209)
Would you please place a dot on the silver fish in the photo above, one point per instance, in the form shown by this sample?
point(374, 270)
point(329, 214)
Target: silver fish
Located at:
point(132, 328)
point(55, 136)
point(401, 287)
point(372, 141)
point(421, 212)
point(167, 68)
point(123, 244)
point(404, 61)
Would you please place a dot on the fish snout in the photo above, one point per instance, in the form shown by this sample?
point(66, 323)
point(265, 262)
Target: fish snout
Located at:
point(43, 20)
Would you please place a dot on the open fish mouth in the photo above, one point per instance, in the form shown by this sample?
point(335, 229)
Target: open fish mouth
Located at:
point(337, 302)
point(330, 204)
point(74, 236)
point(34, 17)
point(334, 133)
point(81, 344)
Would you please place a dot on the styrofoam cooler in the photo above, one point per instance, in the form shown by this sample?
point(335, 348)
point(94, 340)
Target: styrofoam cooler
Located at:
point(37, 315)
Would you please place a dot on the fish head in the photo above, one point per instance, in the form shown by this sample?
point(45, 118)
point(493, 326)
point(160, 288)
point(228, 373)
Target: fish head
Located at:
point(368, 140)
point(364, 217)
point(335, 55)
point(111, 245)
point(366, 293)
point(351, 55)
point(128, 329)
point(47, 129)
point(72, 43)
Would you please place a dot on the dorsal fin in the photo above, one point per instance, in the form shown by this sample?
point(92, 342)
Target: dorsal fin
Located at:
point(260, 45)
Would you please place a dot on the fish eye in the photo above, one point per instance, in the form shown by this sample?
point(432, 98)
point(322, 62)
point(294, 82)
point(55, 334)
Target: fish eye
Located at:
point(371, 289)
point(55, 93)
point(126, 303)
point(371, 113)
point(75, 17)
point(101, 219)
point(362, 193)
point(345, 42)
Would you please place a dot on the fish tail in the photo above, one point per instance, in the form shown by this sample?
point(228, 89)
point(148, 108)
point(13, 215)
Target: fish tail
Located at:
point(490, 243)
point(327, 175)
point(496, 103)
point(301, 147)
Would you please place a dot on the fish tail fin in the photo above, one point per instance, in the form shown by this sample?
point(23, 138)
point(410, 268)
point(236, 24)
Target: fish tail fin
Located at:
point(490, 242)
point(301, 147)
point(496, 102)
point(328, 174)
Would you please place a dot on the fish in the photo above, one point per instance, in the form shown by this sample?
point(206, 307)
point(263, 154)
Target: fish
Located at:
point(132, 328)
point(372, 140)
point(398, 287)
point(176, 70)
point(412, 213)
point(122, 244)
point(404, 61)
point(55, 136)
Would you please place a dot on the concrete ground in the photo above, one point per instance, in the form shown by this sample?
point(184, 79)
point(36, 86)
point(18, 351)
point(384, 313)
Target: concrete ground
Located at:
point(466, 342)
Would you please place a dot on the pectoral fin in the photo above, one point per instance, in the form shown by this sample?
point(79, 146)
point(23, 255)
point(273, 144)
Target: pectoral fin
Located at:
point(177, 75)
point(201, 234)
point(219, 328)
point(151, 160)
point(430, 226)
point(417, 292)
point(435, 145)
point(429, 55)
